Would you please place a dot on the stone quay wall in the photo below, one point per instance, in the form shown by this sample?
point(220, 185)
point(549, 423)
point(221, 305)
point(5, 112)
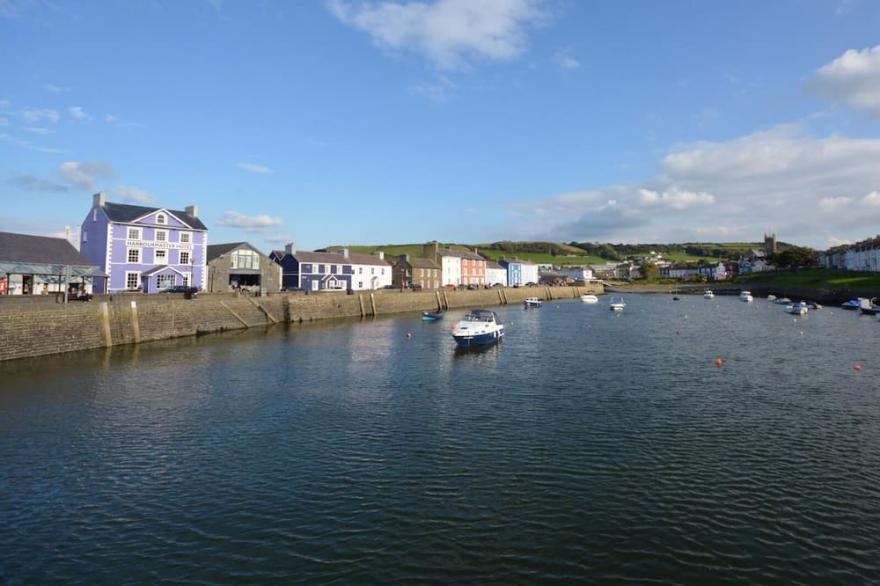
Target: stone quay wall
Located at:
point(38, 326)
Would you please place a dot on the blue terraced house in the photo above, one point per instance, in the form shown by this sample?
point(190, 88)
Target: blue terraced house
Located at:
point(331, 271)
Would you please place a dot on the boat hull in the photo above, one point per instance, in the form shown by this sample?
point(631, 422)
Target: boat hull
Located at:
point(431, 317)
point(483, 339)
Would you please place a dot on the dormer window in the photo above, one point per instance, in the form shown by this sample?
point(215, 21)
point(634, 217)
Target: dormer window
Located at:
point(161, 219)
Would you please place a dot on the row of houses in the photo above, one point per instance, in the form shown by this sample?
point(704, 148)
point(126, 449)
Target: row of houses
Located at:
point(127, 247)
point(860, 256)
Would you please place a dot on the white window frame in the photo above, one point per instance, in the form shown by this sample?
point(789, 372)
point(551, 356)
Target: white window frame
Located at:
point(85, 236)
point(95, 214)
point(187, 279)
point(161, 219)
point(160, 278)
point(156, 260)
point(128, 256)
point(137, 280)
point(164, 235)
point(180, 260)
point(186, 237)
point(139, 231)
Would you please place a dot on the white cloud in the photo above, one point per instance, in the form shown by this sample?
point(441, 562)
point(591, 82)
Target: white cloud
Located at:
point(110, 119)
point(256, 223)
point(675, 198)
point(9, 139)
point(872, 199)
point(831, 204)
point(805, 187)
point(57, 89)
point(5, 104)
point(254, 168)
point(569, 62)
point(31, 183)
point(450, 33)
point(439, 90)
point(132, 194)
point(38, 130)
point(36, 114)
point(77, 113)
point(84, 174)
point(852, 79)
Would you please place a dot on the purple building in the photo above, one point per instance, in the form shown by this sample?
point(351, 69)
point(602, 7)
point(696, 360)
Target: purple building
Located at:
point(144, 248)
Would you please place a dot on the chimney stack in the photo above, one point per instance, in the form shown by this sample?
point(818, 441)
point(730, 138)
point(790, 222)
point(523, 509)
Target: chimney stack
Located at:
point(380, 254)
point(344, 252)
point(192, 210)
point(99, 199)
point(289, 249)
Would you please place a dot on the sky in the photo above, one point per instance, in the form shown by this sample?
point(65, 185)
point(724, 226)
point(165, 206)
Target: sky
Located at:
point(471, 121)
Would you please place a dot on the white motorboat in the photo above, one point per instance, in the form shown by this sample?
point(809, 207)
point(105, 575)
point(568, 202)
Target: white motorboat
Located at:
point(617, 304)
point(797, 308)
point(480, 327)
point(589, 299)
point(708, 294)
point(783, 301)
point(771, 297)
point(532, 302)
point(746, 296)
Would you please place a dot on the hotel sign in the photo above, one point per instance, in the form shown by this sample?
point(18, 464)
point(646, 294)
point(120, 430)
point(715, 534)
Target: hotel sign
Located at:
point(159, 244)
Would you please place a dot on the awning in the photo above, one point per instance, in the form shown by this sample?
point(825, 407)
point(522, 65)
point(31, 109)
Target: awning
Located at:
point(25, 268)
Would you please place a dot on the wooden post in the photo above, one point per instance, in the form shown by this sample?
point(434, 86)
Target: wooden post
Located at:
point(500, 297)
point(104, 319)
point(439, 301)
point(135, 324)
point(361, 301)
point(373, 304)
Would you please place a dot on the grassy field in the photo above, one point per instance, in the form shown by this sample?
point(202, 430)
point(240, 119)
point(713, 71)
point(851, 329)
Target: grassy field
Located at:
point(543, 257)
point(818, 278)
point(394, 250)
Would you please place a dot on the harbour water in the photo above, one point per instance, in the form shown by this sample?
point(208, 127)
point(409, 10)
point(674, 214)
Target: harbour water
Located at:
point(586, 446)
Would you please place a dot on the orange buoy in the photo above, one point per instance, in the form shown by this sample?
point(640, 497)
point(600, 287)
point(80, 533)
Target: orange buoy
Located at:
point(718, 361)
point(857, 367)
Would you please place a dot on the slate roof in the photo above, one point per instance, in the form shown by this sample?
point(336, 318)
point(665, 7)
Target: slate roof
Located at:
point(336, 258)
point(491, 264)
point(123, 212)
point(218, 250)
point(418, 262)
point(460, 254)
point(159, 269)
point(24, 248)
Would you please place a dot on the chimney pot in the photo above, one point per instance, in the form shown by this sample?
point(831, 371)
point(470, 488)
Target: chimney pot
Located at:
point(192, 210)
point(99, 199)
point(289, 249)
point(380, 254)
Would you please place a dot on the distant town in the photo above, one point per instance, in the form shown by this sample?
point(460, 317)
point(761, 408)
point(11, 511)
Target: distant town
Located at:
point(131, 248)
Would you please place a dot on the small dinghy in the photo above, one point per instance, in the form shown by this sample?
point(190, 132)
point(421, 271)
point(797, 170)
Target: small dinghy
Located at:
point(432, 315)
point(617, 304)
point(797, 308)
point(746, 296)
point(589, 299)
point(851, 305)
point(708, 294)
point(532, 302)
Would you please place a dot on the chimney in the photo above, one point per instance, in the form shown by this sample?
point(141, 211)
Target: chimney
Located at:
point(99, 199)
point(192, 210)
point(289, 249)
point(406, 258)
point(380, 254)
point(344, 252)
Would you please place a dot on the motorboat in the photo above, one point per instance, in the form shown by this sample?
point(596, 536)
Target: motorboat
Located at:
point(746, 296)
point(771, 297)
point(868, 307)
point(589, 299)
point(813, 305)
point(480, 327)
point(783, 301)
point(708, 294)
point(799, 308)
point(851, 305)
point(532, 302)
point(432, 315)
point(617, 304)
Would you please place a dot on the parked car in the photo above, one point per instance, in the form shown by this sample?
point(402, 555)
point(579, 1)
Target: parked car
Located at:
point(450, 286)
point(415, 286)
point(497, 285)
point(188, 292)
point(472, 287)
point(531, 284)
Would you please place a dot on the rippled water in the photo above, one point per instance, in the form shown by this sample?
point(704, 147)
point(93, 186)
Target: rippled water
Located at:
point(588, 446)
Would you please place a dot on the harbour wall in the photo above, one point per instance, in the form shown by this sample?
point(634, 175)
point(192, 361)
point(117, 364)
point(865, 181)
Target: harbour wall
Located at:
point(40, 325)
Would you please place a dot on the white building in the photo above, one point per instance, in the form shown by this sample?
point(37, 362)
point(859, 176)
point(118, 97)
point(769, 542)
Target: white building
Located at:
point(369, 271)
point(495, 274)
point(577, 273)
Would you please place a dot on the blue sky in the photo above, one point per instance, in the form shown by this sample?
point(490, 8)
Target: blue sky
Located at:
point(377, 122)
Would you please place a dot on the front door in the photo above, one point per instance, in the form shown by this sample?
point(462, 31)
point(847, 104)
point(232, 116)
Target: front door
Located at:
point(315, 285)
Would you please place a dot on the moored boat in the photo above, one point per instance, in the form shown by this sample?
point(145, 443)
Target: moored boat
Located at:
point(771, 297)
point(746, 296)
point(432, 315)
point(708, 294)
point(532, 302)
point(850, 305)
point(589, 298)
point(617, 304)
point(783, 301)
point(799, 308)
point(479, 327)
point(868, 307)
